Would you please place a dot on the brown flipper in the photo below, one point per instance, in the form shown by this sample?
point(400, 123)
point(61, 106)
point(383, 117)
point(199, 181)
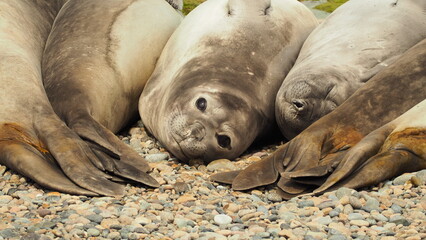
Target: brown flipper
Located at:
point(124, 170)
point(295, 189)
point(34, 158)
point(304, 151)
point(357, 156)
point(75, 157)
point(225, 177)
point(284, 195)
point(381, 167)
point(26, 160)
point(118, 158)
point(311, 181)
point(292, 187)
point(90, 130)
point(325, 167)
point(263, 172)
point(403, 151)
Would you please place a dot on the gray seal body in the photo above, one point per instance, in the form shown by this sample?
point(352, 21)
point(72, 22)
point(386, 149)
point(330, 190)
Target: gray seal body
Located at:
point(354, 43)
point(97, 60)
point(213, 89)
point(33, 140)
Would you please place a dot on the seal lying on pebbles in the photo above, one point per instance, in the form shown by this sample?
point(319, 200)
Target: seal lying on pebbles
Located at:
point(33, 140)
point(354, 43)
point(210, 95)
point(314, 153)
point(98, 57)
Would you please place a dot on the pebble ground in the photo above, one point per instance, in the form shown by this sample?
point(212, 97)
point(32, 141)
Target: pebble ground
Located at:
point(189, 206)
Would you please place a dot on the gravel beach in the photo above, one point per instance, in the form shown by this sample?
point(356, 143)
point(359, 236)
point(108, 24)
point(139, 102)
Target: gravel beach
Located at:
point(189, 206)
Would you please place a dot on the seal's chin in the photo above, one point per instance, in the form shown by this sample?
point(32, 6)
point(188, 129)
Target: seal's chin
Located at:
point(177, 150)
point(288, 119)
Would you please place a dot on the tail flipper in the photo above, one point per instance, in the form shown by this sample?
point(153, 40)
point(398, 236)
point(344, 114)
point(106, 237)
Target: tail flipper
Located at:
point(113, 155)
point(41, 168)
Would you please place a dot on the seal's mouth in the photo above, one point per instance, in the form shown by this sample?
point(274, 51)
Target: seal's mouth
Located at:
point(180, 153)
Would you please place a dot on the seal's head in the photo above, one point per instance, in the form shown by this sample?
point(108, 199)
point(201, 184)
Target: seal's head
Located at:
point(209, 123)
point(212, 92)
point(306, 96)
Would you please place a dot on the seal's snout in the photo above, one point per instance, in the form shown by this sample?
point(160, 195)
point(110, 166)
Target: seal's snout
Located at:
point(299, 106)
point(195, 130)
point(288, 116)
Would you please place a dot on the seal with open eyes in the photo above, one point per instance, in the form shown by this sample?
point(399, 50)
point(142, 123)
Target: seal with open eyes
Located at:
point(355, 42)
point(33, 140)
point(98, 57)
point(213, 89)
point(306, 161)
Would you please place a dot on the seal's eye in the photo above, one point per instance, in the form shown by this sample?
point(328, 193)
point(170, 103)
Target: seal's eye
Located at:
point(201, 104)
point(224, 141)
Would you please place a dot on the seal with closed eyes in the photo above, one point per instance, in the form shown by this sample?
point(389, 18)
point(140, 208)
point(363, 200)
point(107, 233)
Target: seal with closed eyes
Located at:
point(353, 44)
point(213, 89)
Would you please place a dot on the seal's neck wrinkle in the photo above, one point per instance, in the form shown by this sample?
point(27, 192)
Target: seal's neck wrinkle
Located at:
point(248, 7)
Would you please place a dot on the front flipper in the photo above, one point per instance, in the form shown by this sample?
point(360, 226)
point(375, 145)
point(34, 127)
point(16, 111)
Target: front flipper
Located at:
point(225, 177)
point(115, 156)
point(26, 160)
point(324, 168)
point(357, 156)
point(402, 151)
point(258, 174)
point(381, 167)
point(261, 173)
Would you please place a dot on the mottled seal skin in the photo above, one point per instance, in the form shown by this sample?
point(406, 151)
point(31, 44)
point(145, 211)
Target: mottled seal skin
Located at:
point(354, 43)
point(210, 95)
point(306, 161)
point(97, 60)
point(33, 140)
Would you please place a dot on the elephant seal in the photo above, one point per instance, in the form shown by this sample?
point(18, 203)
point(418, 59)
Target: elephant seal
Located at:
point(210, 95)
point(98, 57)
point(354, 43)
point(33, 140)
point(308, 159)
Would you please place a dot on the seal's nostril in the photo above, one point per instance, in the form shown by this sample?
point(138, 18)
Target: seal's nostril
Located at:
point(224, 141)
point(298, 104)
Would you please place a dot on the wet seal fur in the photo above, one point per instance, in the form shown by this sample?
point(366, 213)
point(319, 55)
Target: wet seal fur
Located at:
point(210, 95)
point(354, 43)
point(98, 57)
point(33, 140)
point(306, 161)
